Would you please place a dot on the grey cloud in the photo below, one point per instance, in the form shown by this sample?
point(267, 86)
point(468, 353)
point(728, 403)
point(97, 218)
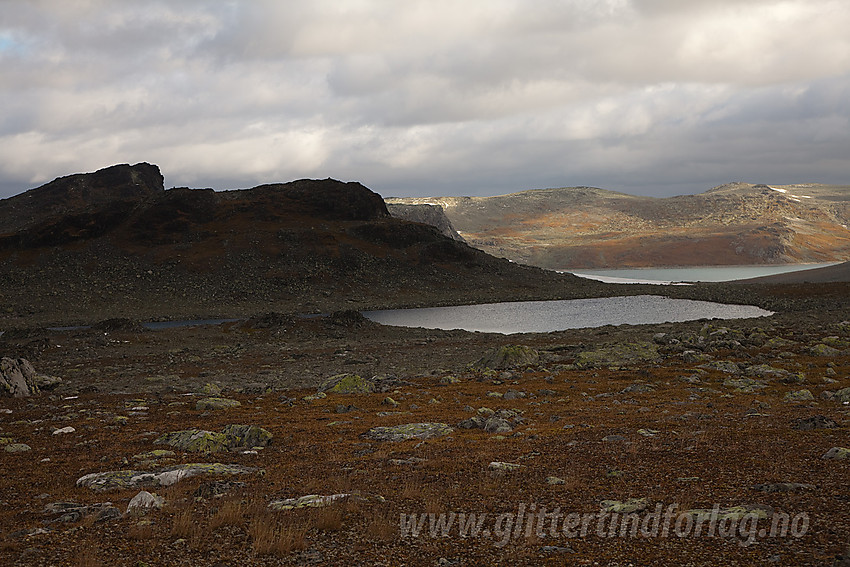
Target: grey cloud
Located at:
point(479, 96)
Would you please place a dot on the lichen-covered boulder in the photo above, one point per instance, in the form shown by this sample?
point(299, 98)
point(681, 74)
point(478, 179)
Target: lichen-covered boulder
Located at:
point(842, 395)
point(216, 404)
point(508, 356)
point(246, 436)
point(837, 454)
point(231, 438)
point(320, 501)
point(620, 354)
point(733, 513)
point(497, 425)
point(799, 396)
point(500, 466)
point(347, 384)
point(127, 479)
point(630, 506)
point(408, 431)
point(195, 441)
point(308, 501)
point(744, 385)
point(824, 350)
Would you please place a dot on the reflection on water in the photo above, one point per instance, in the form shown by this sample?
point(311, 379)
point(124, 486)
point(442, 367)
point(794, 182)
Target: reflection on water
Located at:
point(547, 316)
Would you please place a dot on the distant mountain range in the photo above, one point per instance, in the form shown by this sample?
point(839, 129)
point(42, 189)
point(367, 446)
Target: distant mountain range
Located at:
point(586, 227)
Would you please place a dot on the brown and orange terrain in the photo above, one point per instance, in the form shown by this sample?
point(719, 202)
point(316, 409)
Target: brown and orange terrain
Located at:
point(693, 415)
point(300, 433)
point(586, 227)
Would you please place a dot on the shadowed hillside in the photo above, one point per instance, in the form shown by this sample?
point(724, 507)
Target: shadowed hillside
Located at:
point(114, 243)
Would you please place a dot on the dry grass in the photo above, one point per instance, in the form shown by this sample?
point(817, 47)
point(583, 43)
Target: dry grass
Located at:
point(230, 513)
point(272, 537)
point(184, 524)
point(381, 523)
point(328, 518)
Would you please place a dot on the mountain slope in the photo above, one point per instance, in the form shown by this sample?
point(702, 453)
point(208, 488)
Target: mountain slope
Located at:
point(114, 243)
point(585, 227)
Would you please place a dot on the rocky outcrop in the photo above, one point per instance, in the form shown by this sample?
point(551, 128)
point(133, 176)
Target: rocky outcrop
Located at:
point(72, 195)
point(433, 215)
point(409, 431)
point(125, 479)
point(508, 356)
point(231, 438)
point(18, 378)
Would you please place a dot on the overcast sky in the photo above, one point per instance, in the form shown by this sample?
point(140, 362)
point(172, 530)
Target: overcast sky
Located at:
point(479, 97)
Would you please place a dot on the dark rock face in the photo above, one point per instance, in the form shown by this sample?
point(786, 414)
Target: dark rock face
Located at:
point(74, 196)
point(330, 199)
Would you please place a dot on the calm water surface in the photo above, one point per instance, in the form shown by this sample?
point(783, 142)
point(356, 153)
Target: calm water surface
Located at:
point(547, 316)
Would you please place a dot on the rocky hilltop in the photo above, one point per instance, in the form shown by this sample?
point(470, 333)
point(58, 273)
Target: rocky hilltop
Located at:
point(587, 227)
point(115, 243)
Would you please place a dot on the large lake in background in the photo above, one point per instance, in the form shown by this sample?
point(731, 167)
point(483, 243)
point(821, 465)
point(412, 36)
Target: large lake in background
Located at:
point(692, 274)
point(559, 315)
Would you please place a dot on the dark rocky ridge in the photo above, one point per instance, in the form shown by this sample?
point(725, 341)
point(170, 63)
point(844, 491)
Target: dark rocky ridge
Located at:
point(115, 244)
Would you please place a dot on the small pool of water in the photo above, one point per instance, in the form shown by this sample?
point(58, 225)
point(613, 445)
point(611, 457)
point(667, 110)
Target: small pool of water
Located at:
point(559, 315)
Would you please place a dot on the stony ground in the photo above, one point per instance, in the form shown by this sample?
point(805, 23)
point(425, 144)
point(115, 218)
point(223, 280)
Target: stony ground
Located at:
point(695, 415)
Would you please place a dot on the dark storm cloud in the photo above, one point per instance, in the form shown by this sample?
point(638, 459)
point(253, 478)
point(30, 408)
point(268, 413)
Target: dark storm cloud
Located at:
point(649, 96)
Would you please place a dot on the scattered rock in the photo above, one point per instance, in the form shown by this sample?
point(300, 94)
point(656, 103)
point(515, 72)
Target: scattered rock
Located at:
point(144, 501)
point(619, 354)
point(408, 431)
point(842, 395)
point(347, 384)
point(231, 438)
point(725, 366)
point(614, 438)
point(211, 389)
point(783, 487)
point(508, 356)
point(837, 453)
point(127, 479)
point(64, 430)
point(554, 480)
point(17, 448)
point(734, 513)
point(497, 425)
point(824, 350)
point(638, 389)
point(799, 396)
point(814, 422)
point(744, 385)
point(502, 466)
point(216, 404)
point(69, 512)
point(320, 501)
point(556, 549)
point(629, 506)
